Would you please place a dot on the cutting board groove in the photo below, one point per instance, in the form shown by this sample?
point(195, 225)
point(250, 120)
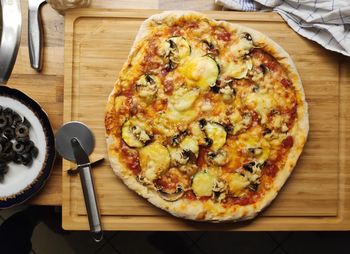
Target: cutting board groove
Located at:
point(97, 43)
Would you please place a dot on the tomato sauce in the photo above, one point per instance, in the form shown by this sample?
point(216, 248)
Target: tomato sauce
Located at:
point(269, 61)
point(201, 157)
point(288, 142)
point(190, 195)
point(270, 169)
point(286, 83)
point(131, 159)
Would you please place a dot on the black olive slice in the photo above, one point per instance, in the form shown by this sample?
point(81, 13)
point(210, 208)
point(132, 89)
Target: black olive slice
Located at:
point(9, 133)
point(34, 152)
point(22, 131)
point(27, 159)
point(18, 147)
point(3, 121)
point(26, 122)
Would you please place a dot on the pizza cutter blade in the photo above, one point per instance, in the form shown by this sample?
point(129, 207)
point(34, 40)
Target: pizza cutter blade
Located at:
point(75, 142)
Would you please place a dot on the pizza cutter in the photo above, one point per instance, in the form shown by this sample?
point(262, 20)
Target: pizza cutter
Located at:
point(75, 142)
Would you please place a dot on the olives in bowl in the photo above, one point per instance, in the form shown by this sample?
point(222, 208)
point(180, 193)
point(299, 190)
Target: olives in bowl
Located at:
point(15, 143)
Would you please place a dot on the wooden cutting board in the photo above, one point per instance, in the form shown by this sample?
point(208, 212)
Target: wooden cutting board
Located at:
point(317, 195)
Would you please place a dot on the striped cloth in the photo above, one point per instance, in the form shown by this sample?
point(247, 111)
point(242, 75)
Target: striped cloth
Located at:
point(326, 22)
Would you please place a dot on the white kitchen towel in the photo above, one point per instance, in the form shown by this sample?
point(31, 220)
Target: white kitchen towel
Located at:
point(326, 22)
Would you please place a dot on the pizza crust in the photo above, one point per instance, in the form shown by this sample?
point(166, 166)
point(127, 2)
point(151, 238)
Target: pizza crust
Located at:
point(210, 211)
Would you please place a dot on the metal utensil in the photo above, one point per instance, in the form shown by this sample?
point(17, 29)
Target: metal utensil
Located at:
point(75, 142)
point(35, 34)
point(10, 37)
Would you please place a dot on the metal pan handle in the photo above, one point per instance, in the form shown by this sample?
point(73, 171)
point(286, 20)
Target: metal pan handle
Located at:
point(35, 35)
point(10, 38)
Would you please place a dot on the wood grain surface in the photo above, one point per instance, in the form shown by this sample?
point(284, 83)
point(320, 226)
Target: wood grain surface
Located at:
point(316, 196)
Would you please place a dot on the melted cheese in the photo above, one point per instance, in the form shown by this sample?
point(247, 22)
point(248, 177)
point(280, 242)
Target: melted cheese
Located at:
point(183, 98)
point(154, 159)
point(262, 103)
point(238, 69)
point(241, 48)
point(200, 72)
point(236, 183)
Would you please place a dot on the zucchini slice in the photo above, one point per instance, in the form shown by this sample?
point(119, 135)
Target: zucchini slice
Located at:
point(217, 133)
point(203, 183)
point(201, 72)
point(175, 49)
point(135, 133)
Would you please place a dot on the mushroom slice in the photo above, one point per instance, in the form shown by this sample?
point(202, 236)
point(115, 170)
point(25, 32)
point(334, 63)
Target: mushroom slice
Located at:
point(217, 133)
point(187, 151)
point(171, 197)
point(135, 133)
point(218, 158)
point(147, 85)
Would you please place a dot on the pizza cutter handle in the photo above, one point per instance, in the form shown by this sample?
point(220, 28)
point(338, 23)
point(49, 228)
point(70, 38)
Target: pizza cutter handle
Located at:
point(90, 202)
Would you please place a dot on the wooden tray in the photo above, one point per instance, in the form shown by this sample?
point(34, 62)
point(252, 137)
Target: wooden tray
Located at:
point(317, 195)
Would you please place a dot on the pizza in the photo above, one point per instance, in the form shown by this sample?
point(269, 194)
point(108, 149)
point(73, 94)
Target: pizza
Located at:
point(207, 119)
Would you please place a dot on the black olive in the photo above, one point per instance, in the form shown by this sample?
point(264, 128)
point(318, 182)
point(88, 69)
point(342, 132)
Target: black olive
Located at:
point(172, 44)
point(18, 147)
point(1, 147)
point(3, 121)
point(170, 66)
point(26, 122)
point(22, 131)
point(247, 36)
point(208, 141)
point(17, 159)
point(17, 119)
point(228, 128)
point(261, 165)
point(149, 79)
point(176, 140)
point(28, 146)
point(9, 133)
point(202, 123)
point(24, 139)
point(263, 68)
point(34, 152)
point(27, 159)
point(190, 155)
point(215, 89)
point(267, 131)
point(9, 119)
point(249, 166)
point(7, 146)
point(255, 88)
point(7, 156)
point(1, 108)
point(3, 167)
point(254, 187)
